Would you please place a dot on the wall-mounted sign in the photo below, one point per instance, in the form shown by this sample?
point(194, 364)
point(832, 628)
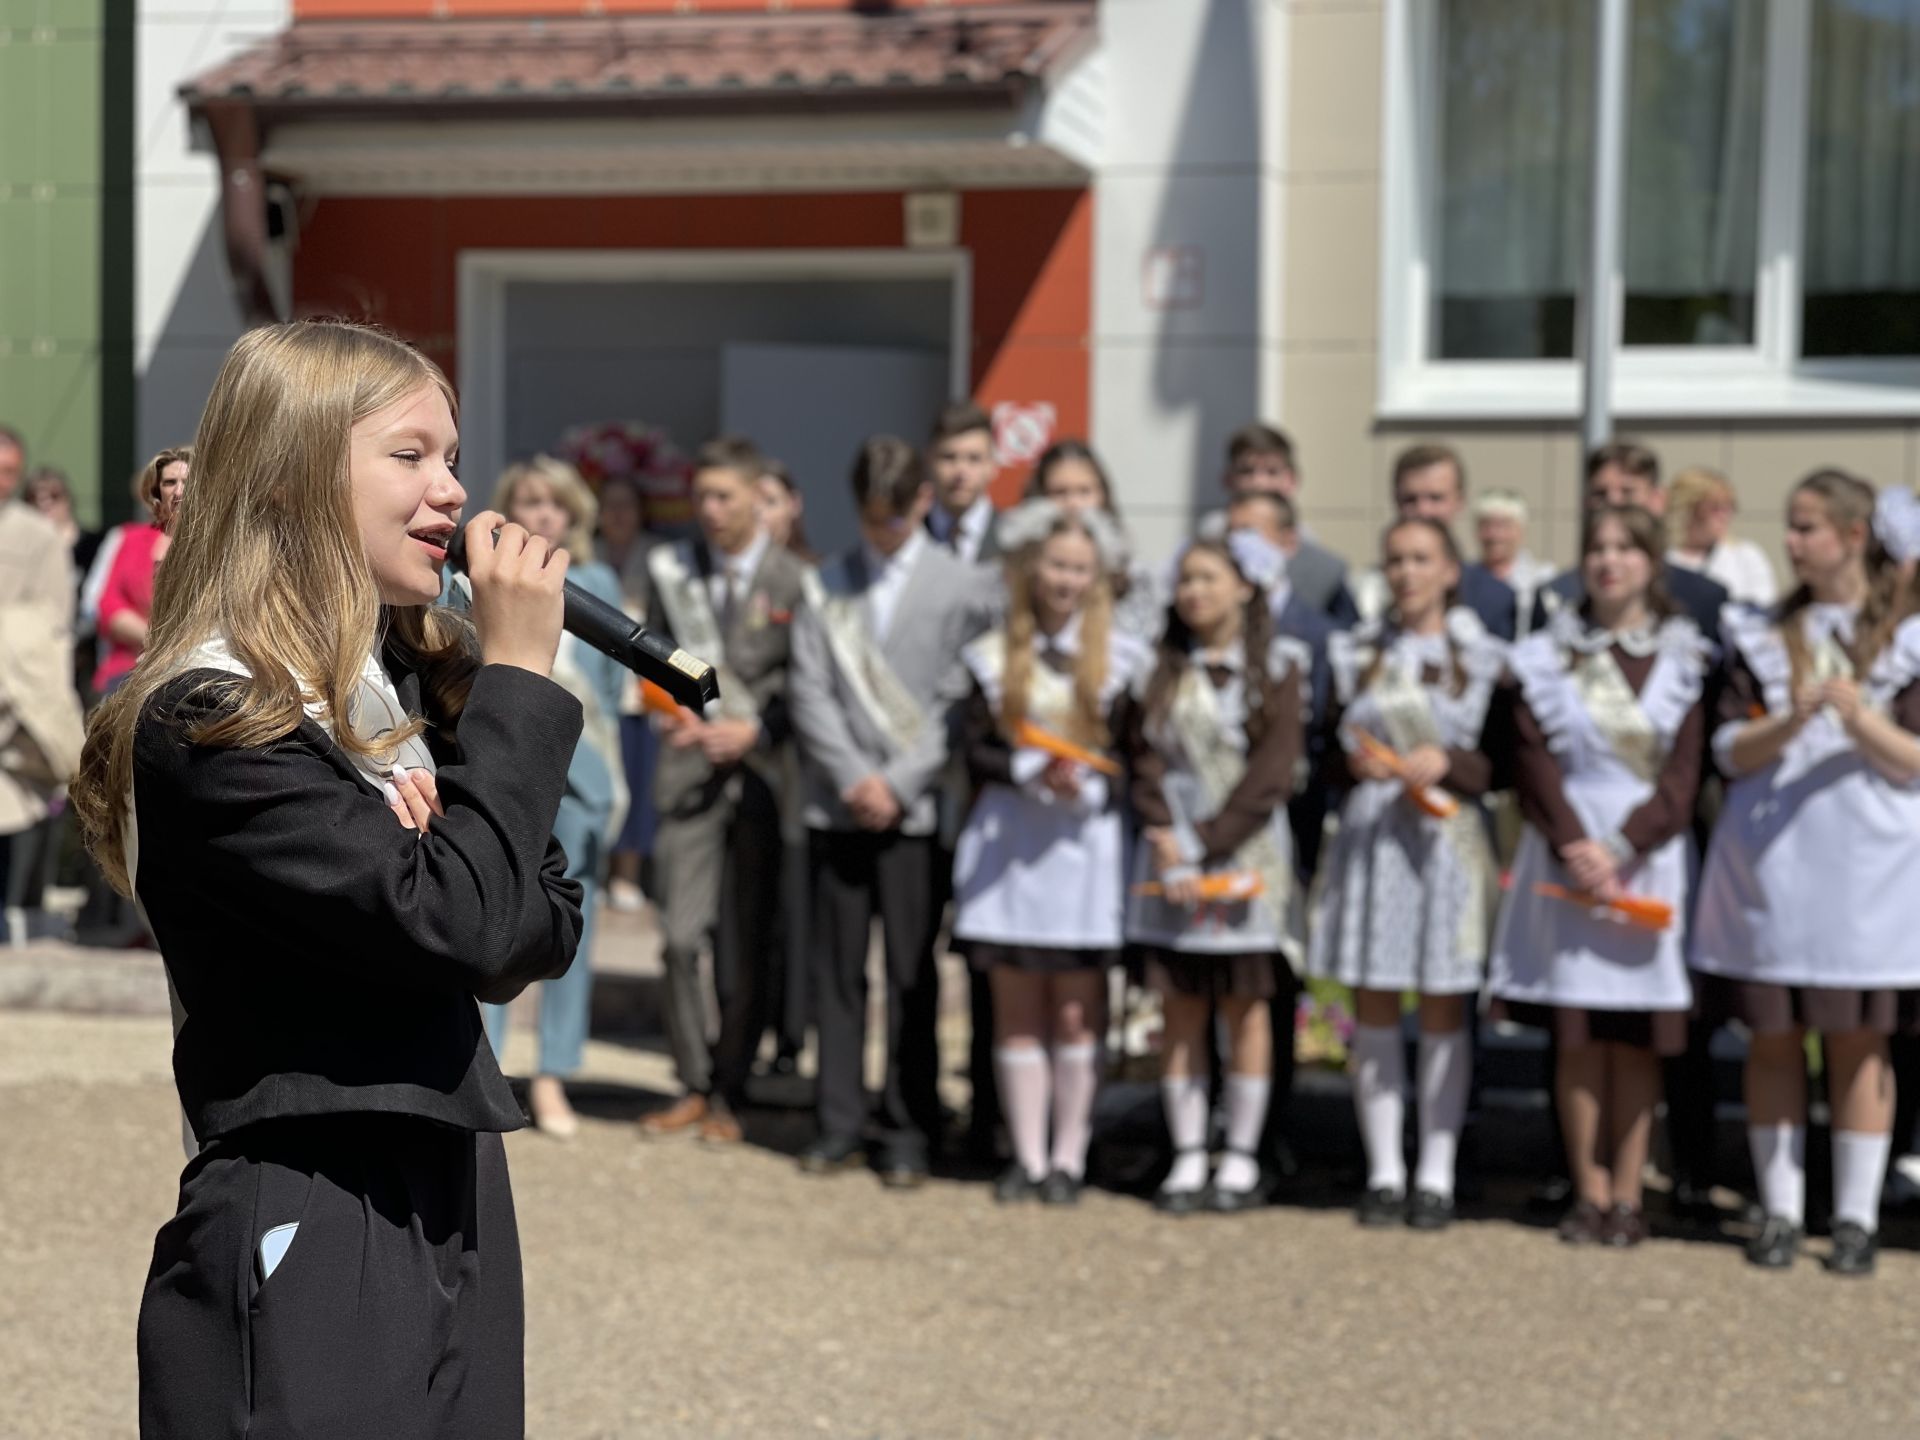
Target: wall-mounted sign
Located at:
point(1022, 432)
point(1174, 277)
point(933, 220)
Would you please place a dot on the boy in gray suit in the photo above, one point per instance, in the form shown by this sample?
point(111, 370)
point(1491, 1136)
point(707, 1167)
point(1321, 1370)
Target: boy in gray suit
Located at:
point(730, 596)
point(876, 678)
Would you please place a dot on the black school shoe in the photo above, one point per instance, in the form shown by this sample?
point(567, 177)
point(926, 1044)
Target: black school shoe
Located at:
point(1013, 1187)
point(1855, 1251)
point(831, 1154)
point(1381, 1207)
point(1060, 1188)
point(1428, 1210)
point(1776, 1246)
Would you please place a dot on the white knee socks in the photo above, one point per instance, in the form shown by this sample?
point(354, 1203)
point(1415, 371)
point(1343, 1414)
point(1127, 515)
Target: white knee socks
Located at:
point(1246, 1117)
point(1379, 1074)
point(1859, 1170)
point(1780, 1167)
point(1185, 1098)
point(1024, 1078)
point(1076, 1076)
point(1444, 1073)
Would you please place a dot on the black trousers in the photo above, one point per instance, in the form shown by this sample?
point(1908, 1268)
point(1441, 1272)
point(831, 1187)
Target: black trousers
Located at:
point(395, 1314)
point(745, 936)
point(855, 876)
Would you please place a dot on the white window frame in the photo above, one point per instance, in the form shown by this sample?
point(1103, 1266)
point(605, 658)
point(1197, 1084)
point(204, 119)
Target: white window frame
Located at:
point(1767, 379)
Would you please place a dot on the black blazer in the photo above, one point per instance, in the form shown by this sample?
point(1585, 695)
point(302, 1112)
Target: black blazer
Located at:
point(1700, 598)
point(1491, 598)
point(328, 958)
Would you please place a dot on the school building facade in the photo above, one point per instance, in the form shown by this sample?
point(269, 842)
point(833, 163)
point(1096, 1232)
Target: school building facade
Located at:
point(1143, 220)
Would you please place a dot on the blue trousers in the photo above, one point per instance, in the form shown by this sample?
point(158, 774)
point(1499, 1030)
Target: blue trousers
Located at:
point(565, 1003)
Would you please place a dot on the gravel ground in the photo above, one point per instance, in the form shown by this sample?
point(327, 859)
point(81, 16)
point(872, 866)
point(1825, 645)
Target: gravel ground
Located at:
point(676, 1291)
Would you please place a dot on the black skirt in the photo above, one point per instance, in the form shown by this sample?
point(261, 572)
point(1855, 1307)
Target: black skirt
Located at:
point(1215, 977)
point(985, 955)
point(1769, 1009)
point(1664, 1032)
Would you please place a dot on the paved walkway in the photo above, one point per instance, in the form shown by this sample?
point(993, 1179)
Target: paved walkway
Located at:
point(673, 1291)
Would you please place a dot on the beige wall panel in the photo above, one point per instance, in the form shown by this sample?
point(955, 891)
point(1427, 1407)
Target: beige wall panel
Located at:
point(1331, 293)
point(1329, 413)
point(1333, 100)
point(1765, 464)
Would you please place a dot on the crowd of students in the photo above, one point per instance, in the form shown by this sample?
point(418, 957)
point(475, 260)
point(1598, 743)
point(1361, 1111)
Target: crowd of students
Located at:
point(1253, 768)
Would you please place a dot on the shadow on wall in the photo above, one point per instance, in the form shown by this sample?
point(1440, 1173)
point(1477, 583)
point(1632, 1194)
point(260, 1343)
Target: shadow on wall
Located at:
point(185, 356)
point(1202, 274)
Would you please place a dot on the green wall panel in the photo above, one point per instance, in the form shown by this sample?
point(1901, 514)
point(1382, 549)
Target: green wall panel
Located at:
point(65, 233)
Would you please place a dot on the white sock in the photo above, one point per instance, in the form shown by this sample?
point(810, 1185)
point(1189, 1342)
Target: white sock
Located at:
point(1023, 1100)
point(1185, 1098)
point(1859, 1170)
point(1444, 1073)
point(1246, 1117)
point(1379, 1075)
point(1076, 1077)
point(1780, 1168)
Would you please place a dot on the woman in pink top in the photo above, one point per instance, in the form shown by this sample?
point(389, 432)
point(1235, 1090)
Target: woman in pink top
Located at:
point(126, 598)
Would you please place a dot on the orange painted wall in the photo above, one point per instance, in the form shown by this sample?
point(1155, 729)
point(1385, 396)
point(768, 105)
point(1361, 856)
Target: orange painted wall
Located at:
point(429, 9)
point(395, 260)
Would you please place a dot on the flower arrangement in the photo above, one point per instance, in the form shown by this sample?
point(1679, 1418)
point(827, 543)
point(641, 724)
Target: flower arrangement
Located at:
point(1322, 1025)
point(643, 452)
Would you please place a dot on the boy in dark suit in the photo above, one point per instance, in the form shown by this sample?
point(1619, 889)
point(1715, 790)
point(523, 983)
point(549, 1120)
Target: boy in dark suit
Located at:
point(876, 678)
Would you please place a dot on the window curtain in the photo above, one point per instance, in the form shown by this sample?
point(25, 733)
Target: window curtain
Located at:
point(1862, 249)
point(1511, 191)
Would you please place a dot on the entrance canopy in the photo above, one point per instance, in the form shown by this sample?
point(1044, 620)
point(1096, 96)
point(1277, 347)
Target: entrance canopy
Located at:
point(989, 96)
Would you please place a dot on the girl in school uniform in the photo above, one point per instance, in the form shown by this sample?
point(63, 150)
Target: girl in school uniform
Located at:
point(1406, 895)
point(1038, 867)
point(1808, 906)
point(335, 805)
point(1604, 730)
point(1214, 745)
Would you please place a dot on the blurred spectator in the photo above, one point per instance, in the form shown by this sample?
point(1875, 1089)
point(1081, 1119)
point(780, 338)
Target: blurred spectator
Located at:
point(1624, 472)
point(1071, 475)
point(1430, 483)
point(624, 546)
point(1700, 511)
point(41, 729)
point(1261, 457)
point(783, 511)
point(1500, 531)
point(549, 498)
point(126, 565)
point(13, 461)
point(48, 491)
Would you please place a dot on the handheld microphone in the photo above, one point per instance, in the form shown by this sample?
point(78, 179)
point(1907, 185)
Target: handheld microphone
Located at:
point(690, 680)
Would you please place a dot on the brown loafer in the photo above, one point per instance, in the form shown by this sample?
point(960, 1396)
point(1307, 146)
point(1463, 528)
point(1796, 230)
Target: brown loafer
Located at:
point(685, 1113)
point(721, 1127)
point(1626, 1226)
point(1585, 1224)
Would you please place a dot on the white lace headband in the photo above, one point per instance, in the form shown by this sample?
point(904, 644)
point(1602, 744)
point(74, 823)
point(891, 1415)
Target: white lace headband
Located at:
point(1032, 521)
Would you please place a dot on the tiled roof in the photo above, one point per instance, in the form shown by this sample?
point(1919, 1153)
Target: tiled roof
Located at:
point(743, 62)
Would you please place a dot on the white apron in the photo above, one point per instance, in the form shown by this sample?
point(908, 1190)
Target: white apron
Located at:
point(1611, 746)
point(1813, 876)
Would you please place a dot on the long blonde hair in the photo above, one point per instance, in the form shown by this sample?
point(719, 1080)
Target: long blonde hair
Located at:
point(1848, 500)
point(1087, 723)
point(270, 558)
point(563, 482)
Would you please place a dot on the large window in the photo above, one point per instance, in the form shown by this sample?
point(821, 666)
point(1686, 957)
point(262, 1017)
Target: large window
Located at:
point(1770, 256)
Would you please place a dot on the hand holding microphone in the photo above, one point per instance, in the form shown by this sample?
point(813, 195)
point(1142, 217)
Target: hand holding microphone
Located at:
point(519, 592)
point(535, 601)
